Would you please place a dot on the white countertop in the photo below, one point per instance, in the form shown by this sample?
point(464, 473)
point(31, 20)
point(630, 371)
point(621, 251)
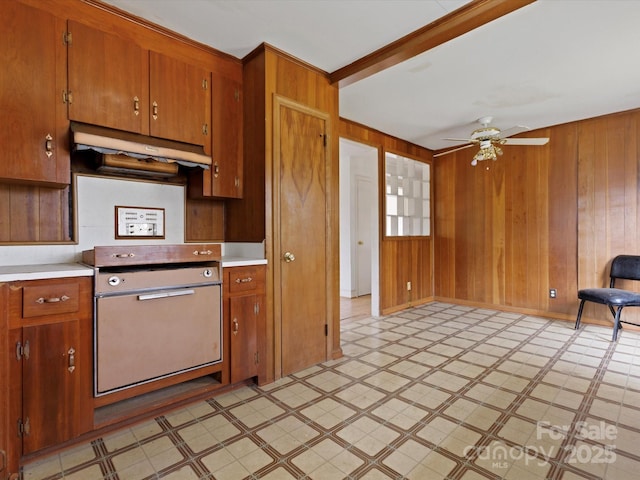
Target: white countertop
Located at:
point(231, 261)
point(13, 273)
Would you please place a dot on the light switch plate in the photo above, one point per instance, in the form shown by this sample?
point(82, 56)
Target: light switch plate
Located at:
point(139, 222)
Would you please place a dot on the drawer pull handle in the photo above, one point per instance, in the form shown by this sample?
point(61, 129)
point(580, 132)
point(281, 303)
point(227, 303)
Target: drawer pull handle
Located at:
point(136, 106)
point(72, 359)
point(123, 255)
point(42, 300)
point(235, 326)
point(154, 110)
point(202, 252)
point(244, 280)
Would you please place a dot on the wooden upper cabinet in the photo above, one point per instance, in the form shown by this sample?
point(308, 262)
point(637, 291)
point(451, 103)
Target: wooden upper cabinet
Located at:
point(108, 80)
point(180, 101)
point(33, 75)
point(226, 171)
point(224, 179)
point(113, 82)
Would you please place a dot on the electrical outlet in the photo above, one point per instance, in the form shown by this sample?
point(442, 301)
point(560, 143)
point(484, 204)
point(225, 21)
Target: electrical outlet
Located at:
point(408, 285)
point(552, 293)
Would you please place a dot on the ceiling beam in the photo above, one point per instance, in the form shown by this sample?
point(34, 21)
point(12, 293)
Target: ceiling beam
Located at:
point(452, 25)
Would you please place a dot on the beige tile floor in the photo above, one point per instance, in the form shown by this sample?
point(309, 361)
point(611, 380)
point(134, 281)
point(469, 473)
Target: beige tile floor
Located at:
point(438, 391)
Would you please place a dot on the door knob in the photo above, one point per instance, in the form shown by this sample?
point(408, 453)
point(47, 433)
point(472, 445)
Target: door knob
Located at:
point(289, 257)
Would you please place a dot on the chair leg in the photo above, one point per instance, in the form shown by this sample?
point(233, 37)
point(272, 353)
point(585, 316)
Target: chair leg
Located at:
point(577, 325)
point(616, 325)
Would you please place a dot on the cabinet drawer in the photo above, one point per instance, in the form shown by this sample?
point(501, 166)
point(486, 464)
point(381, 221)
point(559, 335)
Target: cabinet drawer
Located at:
point(38, 300)
point(243, 279)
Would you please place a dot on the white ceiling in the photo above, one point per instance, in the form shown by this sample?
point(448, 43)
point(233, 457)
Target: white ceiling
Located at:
point(551, 62)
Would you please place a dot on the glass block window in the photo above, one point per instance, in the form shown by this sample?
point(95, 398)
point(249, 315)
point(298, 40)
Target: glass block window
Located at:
point(407, 196)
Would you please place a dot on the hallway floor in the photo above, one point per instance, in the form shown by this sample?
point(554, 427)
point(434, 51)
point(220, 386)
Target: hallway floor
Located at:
point(438, 391)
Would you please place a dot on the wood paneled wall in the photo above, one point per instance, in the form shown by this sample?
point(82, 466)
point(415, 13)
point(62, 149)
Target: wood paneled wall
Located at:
point(608, 201)
point(401, 260)
point(30, 214)
point(539, 217)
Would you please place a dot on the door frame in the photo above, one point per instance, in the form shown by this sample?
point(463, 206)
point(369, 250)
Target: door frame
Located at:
point(378, 193)
point(273, 238)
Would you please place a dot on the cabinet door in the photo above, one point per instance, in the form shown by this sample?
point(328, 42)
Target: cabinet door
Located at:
point(108, 80)
point(32, 77)
point(180, 97)
point(244, 347)
point(4, 386)
point(226, 171)
point(50, 392)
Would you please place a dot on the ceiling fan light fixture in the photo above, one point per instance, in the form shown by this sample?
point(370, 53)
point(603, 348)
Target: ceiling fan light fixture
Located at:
point(488, 151)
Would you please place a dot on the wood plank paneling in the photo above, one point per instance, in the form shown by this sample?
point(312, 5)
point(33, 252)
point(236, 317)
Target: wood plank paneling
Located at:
point(557, 215)
point(563, 217)
point(34, 214)
point(608, 206)
point(204, 220)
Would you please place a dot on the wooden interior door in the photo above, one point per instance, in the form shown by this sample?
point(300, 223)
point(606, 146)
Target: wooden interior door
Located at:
point(300, 159)
point(364, 219)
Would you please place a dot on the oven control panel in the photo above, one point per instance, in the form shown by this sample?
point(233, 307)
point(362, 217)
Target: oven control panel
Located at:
point(116, 281)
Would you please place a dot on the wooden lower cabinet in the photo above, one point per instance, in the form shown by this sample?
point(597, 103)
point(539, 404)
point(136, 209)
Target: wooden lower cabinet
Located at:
point(50, 364)
point(4, 381)
point(244, 309)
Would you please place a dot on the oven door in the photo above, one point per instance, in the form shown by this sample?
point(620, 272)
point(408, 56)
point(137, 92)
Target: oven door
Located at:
point(140, 337)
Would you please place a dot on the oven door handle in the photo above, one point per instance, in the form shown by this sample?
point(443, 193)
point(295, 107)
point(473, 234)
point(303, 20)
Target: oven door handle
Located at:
point(166, 294)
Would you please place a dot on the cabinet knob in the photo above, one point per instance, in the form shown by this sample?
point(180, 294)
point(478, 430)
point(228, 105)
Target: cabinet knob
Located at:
point(216, 170)
point(235, 326)
point(289, 257)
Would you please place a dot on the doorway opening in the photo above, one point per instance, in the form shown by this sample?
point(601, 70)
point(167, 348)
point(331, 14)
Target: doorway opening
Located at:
point(359, 229)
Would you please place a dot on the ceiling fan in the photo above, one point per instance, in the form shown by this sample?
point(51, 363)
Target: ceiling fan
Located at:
point(490, 139)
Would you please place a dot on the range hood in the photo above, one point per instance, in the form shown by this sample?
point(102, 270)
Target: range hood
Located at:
point(110, 142)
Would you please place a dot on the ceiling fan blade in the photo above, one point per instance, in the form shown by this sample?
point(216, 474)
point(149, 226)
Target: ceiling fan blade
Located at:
point(452, 150)
point(524, 141)
point(514, 131)
point(460, 139)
